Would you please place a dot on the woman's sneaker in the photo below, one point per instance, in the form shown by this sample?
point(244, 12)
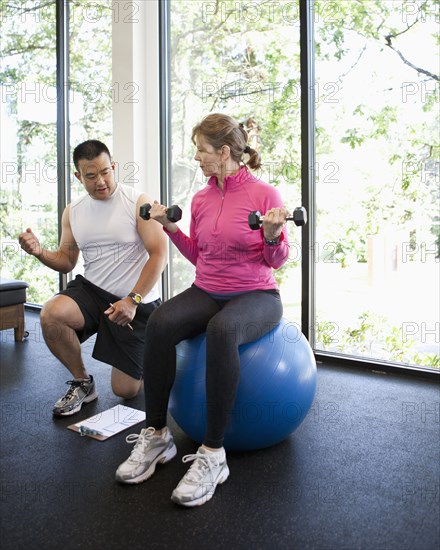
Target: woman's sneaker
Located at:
point(199, 483)
point(149, 450)
point(80, 392)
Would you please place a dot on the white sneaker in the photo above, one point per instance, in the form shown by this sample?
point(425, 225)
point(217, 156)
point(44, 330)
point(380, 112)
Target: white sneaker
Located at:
point(198, 484)
point(149, 450)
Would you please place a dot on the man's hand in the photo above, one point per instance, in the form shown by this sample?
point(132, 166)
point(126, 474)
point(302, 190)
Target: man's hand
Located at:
point(30, 243)
point(121, 312)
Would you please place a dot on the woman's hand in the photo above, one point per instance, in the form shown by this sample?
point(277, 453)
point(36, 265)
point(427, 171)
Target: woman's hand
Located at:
point(273, 223)
point(158, 212)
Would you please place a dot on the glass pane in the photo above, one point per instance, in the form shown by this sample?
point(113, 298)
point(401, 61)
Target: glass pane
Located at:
point(377, 249)
point(91, 89)
point(28, 131)
point(28, 140)
point(248, 67)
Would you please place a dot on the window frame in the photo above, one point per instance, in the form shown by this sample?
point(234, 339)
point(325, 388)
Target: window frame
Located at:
point(63, 119)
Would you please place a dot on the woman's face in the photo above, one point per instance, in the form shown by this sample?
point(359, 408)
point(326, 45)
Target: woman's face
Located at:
point(209, 159)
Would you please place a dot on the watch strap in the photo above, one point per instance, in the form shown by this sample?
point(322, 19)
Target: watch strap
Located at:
point(270, 242)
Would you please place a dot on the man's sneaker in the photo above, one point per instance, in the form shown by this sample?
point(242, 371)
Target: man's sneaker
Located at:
point(80, 392)
point(198, 484)
point(149, 450)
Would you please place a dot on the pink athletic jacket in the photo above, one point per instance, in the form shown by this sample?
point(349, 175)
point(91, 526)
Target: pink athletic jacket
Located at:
point(228, 255)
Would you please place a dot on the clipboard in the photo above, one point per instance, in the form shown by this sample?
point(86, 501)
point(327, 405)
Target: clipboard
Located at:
point(108, 423)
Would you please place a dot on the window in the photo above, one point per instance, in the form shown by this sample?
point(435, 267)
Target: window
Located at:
point(241, 58)
point(376, 251)
point(377, 188)
point(91, 89)
point(28, 140)
point(29, 98)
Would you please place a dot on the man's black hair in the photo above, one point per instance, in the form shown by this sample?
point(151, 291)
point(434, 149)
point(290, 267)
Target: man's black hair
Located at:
point(89, 150)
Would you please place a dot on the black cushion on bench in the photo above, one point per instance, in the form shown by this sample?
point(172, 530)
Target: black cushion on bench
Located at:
point(12, 292)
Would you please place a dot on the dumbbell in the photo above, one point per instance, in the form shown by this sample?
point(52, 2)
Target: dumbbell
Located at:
point(299, 217)
point(174, 212)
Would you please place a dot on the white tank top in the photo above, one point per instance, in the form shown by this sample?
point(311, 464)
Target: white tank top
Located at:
point(105, 232)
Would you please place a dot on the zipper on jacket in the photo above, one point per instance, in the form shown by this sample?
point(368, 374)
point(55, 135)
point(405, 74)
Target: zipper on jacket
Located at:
point(219, 210)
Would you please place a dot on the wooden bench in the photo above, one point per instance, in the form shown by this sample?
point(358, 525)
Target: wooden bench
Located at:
point(12, 299)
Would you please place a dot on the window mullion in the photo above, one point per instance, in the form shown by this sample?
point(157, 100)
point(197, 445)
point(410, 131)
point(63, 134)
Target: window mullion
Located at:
point(63, 142)
point(307, 167)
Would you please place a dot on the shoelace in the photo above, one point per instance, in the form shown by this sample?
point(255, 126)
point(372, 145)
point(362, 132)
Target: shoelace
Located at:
point(73, 385)
point(141, 442)
point(202, 463)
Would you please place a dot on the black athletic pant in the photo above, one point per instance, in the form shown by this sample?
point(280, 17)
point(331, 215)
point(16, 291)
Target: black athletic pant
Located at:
point(228, 324)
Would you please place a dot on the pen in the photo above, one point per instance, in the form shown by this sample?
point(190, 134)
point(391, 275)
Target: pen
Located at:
point(84, 430)
point(129, 326)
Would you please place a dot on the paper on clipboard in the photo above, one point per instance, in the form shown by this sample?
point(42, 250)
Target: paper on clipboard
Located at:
point(108, 423)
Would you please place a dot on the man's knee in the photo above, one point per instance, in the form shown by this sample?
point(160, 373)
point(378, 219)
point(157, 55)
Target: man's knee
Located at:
point(61, 309)
point(48, 313)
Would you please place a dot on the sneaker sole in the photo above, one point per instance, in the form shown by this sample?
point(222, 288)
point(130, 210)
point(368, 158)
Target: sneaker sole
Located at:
point(161, 459)
point(223, 476)
point(86, 400)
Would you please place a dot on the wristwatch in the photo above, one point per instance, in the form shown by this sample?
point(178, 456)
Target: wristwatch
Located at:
point(136, 298)
point(273, 242)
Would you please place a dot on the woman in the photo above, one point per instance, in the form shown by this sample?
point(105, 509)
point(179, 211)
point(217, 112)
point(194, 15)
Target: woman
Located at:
point(234, 291)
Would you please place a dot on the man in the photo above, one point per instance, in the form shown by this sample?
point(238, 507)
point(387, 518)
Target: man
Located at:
point(123, 259)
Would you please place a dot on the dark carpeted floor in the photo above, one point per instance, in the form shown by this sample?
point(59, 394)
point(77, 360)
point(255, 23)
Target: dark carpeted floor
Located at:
point(361, 472)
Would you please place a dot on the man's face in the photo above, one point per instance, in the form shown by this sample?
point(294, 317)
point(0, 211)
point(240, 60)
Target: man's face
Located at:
point(97, 176)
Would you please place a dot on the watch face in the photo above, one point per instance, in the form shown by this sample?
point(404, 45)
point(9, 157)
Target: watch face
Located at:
point(137, 298)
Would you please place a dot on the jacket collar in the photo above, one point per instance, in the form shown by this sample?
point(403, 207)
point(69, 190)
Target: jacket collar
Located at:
point(233, 181)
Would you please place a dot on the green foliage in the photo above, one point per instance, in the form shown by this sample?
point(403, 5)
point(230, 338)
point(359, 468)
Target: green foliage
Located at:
point(326, 334)
point(426, 360)
point(246, 72)
point(349, 32)
point(353, 138)
point(373, 331)
point(398, 349)
point(362, 336)
point(14, 262)
point(28, 72)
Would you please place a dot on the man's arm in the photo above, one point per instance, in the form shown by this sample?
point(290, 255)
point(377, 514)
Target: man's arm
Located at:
point(63, 259)
point(156, 244)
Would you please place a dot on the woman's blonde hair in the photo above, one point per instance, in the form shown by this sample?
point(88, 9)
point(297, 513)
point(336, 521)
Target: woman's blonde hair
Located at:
point(219, 129)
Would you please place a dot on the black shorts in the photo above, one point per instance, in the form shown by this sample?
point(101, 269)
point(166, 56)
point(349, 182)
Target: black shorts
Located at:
point(116, 345)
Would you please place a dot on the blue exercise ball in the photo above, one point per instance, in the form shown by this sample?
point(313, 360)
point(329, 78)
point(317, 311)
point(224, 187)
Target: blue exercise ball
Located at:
point(276, 389)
